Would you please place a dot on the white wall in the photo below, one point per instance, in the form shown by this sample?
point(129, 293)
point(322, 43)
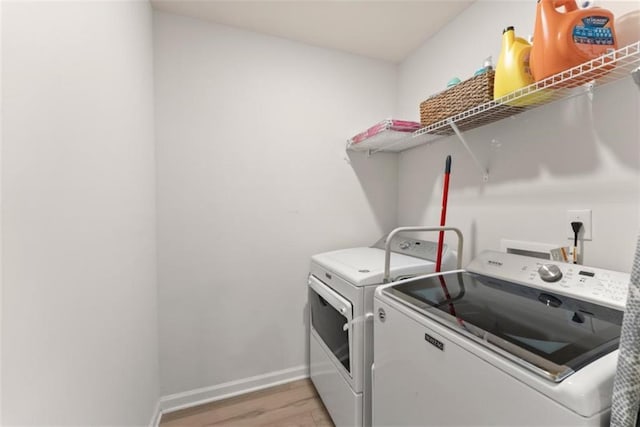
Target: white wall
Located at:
point(574, 154)
point(252, 180)
point(79, 313)
point(1, 133)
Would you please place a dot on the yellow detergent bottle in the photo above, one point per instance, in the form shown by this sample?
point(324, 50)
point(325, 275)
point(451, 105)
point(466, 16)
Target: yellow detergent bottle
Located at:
point(512, 70)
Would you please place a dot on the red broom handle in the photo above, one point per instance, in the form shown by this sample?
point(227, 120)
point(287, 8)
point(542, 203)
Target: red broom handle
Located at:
point(443, 214)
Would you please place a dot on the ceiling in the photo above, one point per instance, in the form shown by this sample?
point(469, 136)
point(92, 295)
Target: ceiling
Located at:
point(389, 30)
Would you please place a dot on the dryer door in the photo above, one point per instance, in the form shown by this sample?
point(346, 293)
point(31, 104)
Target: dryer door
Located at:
point(331, 316)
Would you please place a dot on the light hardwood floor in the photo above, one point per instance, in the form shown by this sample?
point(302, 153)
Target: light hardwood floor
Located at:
point(292, 404)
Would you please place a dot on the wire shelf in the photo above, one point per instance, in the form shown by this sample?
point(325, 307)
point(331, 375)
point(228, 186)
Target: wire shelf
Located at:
point(572, 82)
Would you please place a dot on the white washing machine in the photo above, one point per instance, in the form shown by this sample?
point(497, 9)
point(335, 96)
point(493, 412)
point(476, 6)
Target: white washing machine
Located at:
point(518, 341)
point(341, 286)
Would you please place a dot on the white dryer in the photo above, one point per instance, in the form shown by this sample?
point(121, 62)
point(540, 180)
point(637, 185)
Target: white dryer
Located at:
point(517, 341)
point(341, 286)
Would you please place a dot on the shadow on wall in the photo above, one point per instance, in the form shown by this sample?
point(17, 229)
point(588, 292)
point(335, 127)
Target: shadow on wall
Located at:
point(473, 239)
point(565, 138)
point(378, 177)
point(569, 152)
point(424, 171)
point(614, 120)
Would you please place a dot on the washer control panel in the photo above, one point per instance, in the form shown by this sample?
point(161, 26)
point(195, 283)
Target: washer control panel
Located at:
point(595, 285)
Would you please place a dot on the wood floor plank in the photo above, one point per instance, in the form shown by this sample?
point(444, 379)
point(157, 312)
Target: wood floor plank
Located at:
point(321, 417)
point(268, 408)
point(273, 416)
point(304, 419)
point(289, 404)
point(183, 413)
point(297, 383)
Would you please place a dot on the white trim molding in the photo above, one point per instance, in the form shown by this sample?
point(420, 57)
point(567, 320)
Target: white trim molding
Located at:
point(155, 417)
point(200, 396)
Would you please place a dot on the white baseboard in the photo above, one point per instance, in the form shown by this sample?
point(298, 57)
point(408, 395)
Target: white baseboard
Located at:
point(155, 418)
point(200, 396)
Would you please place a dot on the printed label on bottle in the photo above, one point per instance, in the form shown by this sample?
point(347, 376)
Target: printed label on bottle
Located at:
point(594, 37)
point(595, 21)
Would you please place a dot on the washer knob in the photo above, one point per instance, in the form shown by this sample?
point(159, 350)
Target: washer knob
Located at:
point(550, 273)
point(404, 245)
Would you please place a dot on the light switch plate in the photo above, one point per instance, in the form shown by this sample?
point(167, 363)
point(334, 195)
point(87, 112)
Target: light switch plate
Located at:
point(584, 216)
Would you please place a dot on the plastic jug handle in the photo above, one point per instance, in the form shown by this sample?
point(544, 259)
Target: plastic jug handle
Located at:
point(569, 5)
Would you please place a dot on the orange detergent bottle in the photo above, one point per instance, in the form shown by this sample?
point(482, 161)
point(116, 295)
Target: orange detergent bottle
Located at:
point(565, 39)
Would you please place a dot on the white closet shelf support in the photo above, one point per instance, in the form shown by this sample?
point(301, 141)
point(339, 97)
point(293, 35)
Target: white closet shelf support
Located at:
point(484, 171)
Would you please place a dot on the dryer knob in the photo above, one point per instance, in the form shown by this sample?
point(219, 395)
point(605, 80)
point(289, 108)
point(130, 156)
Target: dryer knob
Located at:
point(550, 273)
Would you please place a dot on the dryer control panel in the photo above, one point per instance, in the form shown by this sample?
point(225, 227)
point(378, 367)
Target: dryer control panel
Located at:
point(591, 284)
point(423, 249)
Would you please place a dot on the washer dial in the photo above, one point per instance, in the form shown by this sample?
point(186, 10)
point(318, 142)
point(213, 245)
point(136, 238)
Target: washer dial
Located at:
point(550, 273)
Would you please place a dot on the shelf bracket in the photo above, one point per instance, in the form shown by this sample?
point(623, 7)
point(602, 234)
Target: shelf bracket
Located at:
point(483, 170)
point(590, 87)
point(636, 76)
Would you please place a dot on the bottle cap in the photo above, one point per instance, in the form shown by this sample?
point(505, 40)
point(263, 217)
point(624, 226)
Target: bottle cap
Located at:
point(454, 81)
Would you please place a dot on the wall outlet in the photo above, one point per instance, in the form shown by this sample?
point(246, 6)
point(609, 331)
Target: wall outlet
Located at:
point(583, 216)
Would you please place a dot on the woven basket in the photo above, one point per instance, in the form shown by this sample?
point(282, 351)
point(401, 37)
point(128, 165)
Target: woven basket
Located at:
point(457, 99)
